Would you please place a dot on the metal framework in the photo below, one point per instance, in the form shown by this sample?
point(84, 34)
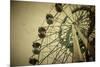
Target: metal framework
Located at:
point(68, 36)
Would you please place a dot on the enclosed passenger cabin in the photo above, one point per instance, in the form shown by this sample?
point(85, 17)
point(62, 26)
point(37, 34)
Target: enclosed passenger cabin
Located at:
point(49, 19)
point(58, 7)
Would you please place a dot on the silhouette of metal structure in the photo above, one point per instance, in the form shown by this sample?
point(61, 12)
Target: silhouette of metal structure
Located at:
point(68, 37)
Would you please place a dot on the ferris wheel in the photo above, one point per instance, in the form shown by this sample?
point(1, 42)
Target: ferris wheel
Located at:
point(67, 36)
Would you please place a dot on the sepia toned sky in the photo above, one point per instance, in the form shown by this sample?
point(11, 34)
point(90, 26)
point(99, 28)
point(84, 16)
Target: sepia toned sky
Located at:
point(26, 17)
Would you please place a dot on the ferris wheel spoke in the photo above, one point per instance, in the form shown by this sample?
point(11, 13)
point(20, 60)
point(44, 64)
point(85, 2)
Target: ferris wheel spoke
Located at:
point(52, 51)
point(58, 57)
point(51, 9)
point(84, 27)
point(63, 5)
point(55, 15)
point(83, 21)
point(60, 20)
point(37, 40)
point(67, 57)
point(83, 18)
point(68, 16)
point(32, 56)
point(64, 57)
point(52, 34)
point(57, 54)
point(46, 37)
point(81, 12)
point(48, 47)
point(53, 29)
point(77, 16)
point(71, 8)
point(66, 6)
point(40, 47)
point(81, 15)
point(49, 43)
point(56, 26)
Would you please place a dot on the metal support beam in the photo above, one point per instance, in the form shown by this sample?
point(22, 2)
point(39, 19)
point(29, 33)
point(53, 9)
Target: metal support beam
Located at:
point(81, 35)
point(85, 41)
point(77, 55)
